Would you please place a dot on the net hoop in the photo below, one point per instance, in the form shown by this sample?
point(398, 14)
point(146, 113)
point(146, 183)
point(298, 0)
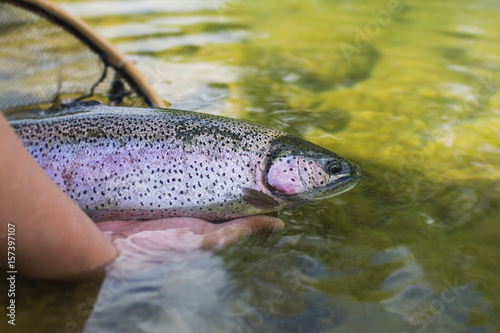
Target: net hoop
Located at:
point(109, 54)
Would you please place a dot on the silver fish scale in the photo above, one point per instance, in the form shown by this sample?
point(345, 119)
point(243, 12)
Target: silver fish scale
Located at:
point(130, 163)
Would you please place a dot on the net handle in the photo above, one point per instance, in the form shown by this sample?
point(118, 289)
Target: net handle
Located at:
point(99, 44)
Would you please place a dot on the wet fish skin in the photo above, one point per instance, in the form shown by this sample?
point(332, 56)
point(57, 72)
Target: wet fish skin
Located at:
point(143, 163)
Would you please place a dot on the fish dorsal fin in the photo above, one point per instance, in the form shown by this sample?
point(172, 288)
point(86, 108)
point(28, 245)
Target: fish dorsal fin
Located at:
point(259, 199)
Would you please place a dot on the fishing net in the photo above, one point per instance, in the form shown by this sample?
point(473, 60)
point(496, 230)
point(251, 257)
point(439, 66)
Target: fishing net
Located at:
point(49, 58)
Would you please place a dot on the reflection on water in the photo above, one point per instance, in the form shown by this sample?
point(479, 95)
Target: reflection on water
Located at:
point(103, 8)
point(163, 290)
point(201, 86)
point(410, 93)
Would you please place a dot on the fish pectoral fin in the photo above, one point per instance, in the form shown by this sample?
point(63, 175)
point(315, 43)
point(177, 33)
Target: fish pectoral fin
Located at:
point(259, 199)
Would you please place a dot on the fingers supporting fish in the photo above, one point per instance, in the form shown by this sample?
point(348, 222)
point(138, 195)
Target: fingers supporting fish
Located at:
point(214, 235)
point(232, 231)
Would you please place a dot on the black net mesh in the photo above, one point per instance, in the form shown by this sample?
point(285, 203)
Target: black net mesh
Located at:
point(43, 65)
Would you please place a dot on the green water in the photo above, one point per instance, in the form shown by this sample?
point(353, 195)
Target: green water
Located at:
point(409, 90)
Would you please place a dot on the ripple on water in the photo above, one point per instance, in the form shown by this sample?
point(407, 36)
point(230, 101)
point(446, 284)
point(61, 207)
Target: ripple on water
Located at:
point(148, 45)
point(124, 8)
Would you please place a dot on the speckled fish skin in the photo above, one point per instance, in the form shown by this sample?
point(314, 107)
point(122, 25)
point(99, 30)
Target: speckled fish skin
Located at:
point(142, 163)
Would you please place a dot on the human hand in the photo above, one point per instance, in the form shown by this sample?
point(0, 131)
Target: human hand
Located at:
point(189, 233)
point(144, 245)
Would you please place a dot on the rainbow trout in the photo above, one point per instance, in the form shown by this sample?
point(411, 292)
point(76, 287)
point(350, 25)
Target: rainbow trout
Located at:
point(121, 163)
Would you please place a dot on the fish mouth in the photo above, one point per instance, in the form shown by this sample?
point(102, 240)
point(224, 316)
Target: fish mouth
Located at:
point(350, 177)
point(340, 186)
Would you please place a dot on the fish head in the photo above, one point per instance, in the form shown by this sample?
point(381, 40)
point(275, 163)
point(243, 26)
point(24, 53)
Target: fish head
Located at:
point(297, 170)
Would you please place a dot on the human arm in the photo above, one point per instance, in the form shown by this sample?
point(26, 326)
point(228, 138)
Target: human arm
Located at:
point(53, 237)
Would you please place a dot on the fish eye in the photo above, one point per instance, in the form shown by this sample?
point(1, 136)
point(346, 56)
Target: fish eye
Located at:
point(332, 166)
